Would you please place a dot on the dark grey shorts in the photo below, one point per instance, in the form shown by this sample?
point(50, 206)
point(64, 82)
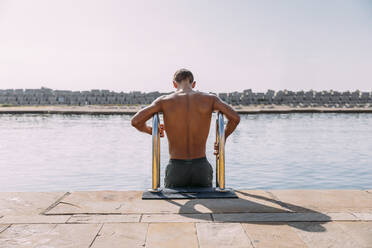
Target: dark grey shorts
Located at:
point(196, 172)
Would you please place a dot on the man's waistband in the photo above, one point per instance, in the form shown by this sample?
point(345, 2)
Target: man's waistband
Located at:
point(193, 160)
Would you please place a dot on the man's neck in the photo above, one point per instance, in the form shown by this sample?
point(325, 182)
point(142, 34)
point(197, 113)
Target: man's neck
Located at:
point(184, 88)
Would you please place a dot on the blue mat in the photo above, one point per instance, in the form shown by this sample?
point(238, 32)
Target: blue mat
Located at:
point(188, 193)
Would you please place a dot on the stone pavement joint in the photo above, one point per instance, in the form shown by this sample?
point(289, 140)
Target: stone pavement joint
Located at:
point(3, 227)
point(176, 218)
point(26, 203)
point(34, 219)
point(107, 218)
point(125, 235)
point(274, 235)
point(96, 235)
point(363, 216)
point(324, 235)
point(56, 202)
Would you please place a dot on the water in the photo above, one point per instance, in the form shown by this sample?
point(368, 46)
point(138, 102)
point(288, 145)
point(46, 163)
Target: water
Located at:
point(267, 151)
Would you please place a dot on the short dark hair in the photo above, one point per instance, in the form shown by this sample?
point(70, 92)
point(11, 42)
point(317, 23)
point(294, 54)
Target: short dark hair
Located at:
point(183, 74)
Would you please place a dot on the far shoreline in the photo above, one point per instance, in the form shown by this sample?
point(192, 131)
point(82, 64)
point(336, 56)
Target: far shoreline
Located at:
point(132, 109)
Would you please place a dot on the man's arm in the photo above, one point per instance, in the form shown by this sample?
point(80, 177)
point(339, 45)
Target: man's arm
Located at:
point(139, 119)
point(232, 116)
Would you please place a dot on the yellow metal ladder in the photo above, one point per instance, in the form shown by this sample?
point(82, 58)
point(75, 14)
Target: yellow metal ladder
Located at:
point(220, 157)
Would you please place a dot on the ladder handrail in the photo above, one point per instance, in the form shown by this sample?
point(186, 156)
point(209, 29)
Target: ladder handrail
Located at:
point(155, 153)
point(220, 157)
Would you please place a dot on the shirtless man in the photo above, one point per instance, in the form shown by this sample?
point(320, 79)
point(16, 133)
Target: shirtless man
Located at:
point(187, 117)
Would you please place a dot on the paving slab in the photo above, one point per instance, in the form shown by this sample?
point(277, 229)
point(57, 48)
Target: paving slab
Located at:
point(34, 219)
point(222, 235)
point(325, 200)
point(104, 218)
point(13, 203)
point(123, 235)
point(360, 231)
point(176, 218)
point(323, 235)
point(360, 216)
point(130, 202)
point(273, 235)
point(171, 235)
point(49, 235)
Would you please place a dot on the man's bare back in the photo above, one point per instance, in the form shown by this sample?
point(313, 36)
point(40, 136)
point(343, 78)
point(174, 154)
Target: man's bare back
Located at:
point(187, 116)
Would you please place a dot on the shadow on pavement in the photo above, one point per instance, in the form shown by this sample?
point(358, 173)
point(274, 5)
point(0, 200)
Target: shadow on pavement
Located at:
point(217, 206)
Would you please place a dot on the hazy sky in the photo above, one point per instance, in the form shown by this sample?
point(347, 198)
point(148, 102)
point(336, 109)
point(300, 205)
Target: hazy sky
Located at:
point(229, 45)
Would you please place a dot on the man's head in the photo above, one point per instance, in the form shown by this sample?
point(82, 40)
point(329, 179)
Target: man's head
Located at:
point(183, 76)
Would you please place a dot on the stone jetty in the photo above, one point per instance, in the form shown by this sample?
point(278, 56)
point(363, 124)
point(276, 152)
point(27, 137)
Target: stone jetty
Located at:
point(45, 96)
point(257, 219)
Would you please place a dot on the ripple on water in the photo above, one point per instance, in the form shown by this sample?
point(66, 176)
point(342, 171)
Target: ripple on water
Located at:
point(267, 151)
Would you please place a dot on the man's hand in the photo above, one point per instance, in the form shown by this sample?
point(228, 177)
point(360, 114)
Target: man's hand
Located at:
point(216, 148)
point(162, 130)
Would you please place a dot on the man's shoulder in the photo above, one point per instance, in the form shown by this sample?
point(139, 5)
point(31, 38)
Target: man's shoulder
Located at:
point(201, 93)
point(204, 94)
point(166, 96)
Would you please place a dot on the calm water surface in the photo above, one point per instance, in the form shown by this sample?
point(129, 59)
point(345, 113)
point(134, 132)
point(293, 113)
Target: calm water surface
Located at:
point(267, 151)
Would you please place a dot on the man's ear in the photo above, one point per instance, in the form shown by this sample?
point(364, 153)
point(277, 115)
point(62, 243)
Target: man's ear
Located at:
point(175, 84)
point(193, 84)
